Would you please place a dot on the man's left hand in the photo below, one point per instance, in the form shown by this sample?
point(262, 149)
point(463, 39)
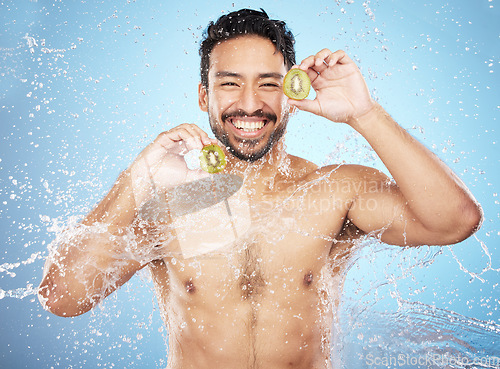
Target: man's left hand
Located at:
point(341, 91)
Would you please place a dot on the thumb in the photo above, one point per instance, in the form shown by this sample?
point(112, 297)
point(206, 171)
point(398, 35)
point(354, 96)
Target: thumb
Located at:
point(310, 106)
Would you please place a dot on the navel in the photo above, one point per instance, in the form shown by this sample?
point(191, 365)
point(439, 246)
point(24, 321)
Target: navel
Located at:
point(190, 288)
point(308, 279)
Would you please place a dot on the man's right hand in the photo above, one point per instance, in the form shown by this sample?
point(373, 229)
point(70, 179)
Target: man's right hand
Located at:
point(161, 164)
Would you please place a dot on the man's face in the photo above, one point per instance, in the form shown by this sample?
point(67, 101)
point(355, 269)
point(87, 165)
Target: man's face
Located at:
point(247, 109)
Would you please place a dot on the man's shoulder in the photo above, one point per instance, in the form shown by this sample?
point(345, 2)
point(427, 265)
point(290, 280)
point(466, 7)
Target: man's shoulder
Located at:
point(301, 165)
point(345, 171)
point(305, 170)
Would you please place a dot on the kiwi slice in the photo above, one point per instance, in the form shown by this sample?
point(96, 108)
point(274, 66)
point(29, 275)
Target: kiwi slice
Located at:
point(296, 84)
point(212, 159)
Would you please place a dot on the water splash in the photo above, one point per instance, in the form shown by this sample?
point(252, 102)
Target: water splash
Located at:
point(19, 293)
point(419, 335)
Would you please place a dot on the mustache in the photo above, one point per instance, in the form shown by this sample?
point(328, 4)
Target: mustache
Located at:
point(256, 114)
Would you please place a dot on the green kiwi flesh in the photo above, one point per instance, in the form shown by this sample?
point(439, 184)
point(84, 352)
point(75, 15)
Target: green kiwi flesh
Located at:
point(296, 84)
point(212, 159)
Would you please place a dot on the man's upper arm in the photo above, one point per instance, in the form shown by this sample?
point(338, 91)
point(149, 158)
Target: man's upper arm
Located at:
point(378, 208)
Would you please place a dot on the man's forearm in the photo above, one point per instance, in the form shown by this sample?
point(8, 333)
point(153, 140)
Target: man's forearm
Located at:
point(435, 195)
point(92, 260)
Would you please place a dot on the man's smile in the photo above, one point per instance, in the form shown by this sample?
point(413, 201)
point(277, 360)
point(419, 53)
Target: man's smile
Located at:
point(247, 127)
point(248, 124)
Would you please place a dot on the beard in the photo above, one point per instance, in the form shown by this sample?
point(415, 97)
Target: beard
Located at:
point(245, 149)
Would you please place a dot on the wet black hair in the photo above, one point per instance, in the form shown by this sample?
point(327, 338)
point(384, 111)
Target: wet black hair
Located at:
point(246, 22)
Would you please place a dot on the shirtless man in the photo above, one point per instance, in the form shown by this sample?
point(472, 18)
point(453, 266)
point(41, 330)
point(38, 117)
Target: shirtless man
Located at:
point(263, 302)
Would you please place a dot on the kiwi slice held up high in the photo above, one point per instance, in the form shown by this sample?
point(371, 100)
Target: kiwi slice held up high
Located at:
point(296, 84)
point(212, 159)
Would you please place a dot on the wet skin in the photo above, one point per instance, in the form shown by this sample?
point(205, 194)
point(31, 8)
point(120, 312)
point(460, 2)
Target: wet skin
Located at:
point(267, 299)
point(266, 302)
point(262, 303)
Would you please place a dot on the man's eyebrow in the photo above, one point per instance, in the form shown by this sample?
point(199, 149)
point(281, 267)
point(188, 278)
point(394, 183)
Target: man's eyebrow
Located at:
point(271, 75)
point(223, 73)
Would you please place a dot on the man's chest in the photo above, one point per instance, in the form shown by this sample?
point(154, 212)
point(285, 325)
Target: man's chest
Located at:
point(275, 255)
point(256, 241)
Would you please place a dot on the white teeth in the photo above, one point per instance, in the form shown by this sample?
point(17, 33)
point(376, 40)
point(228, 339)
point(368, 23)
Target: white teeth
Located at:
point(248, 126)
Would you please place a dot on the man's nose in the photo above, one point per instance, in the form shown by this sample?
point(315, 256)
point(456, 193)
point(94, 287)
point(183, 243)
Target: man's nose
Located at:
point(250, 100)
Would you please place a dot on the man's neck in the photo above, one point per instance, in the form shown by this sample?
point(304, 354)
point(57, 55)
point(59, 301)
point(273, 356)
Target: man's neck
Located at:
point(268, 166)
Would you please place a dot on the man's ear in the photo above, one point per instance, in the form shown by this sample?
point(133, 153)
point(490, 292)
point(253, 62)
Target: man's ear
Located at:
point(202, 98)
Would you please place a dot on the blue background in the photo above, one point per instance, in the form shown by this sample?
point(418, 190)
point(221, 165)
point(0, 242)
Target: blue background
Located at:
point(84, 86)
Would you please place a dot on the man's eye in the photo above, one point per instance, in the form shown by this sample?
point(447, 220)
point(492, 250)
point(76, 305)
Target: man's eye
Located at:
point(270, 85)
point(229, 84)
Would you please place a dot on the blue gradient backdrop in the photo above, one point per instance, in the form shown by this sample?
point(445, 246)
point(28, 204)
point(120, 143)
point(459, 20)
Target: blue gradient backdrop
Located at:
point(85, 85)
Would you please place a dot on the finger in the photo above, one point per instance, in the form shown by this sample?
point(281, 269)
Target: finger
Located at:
point(307, 63)
point(197, 131)
point(199, 137)
point(195, 141)
point(173, 138)
point(312, 74)
point(315, 64)
point(320, 58)
point(338, 57)
point(310, 106)
point(183, 137)
point(192, 143)
point(213, 141)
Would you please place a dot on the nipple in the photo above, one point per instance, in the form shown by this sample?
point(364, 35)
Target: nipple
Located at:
point(308, 278)
point(190, 288)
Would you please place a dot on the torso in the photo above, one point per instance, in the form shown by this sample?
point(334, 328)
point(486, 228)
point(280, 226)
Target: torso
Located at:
point(267, 301)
